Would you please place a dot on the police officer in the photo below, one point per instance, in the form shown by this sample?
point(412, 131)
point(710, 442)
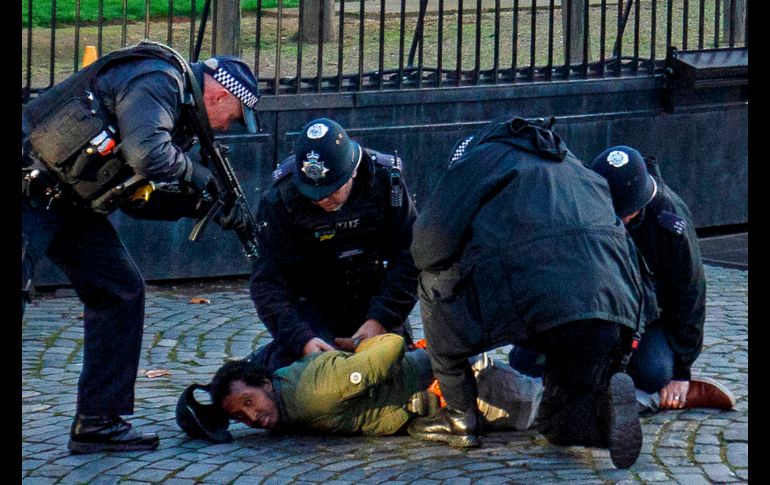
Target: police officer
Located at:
point(660, 224)
point(334, 233)
point(87, 144)
point(519, 244)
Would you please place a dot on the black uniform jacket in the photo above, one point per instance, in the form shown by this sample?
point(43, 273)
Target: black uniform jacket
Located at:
point(665, 235)
point(532, 232)
point(353, 262)
point(145, 98)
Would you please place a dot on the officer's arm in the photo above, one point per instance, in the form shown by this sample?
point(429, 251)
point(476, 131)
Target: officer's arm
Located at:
point(270, 284)
point(398, 292)
point(440, 229)
point(147, 108)
point(683, 312)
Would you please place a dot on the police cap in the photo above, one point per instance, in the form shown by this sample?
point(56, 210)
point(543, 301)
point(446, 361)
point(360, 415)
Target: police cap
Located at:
point(235, 76)
point(631, 186)
point(325, 159)
point(199, 420)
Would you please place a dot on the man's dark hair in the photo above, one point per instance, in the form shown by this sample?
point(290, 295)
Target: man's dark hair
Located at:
point(238, 370)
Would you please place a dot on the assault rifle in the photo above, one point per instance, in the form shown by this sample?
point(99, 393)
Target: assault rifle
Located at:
point(231, 195)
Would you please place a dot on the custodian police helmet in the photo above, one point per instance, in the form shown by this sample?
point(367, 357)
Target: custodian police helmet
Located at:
point(201, 420)
point(325, 159)
point(631, 186)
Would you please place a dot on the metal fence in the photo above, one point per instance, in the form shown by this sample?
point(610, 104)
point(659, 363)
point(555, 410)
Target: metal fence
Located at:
point(393, 44)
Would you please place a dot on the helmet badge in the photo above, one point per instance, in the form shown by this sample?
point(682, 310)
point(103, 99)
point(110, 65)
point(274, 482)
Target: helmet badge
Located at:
point(313, 168)
point(317, 131)
point(617, 158)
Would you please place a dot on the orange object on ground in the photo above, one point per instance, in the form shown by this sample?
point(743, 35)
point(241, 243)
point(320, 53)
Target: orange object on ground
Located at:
point(434, 389)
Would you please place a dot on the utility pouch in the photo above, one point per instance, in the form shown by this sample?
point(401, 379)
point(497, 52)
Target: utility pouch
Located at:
point(92, 175)
point(65, 131)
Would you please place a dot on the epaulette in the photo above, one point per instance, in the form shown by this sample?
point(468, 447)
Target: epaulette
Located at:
point(383, 159)
point(652, 166)
point(672, 222)
point(285, 168)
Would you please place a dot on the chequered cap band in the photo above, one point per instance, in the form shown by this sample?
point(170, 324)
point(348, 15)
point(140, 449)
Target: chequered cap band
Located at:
point(460, 151)
point(236, 88)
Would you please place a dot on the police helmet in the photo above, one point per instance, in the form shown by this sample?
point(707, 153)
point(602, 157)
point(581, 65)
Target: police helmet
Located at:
point(631, 186)
point(201, 420)
point(325, 159)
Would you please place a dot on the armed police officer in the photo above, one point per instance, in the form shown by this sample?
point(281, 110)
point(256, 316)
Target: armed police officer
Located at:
point(519, 244)
point(99, 141)
point(660, 224)
point(334, 234)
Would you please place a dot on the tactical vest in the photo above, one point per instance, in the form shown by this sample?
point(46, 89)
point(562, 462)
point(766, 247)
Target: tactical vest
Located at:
point(69, 131)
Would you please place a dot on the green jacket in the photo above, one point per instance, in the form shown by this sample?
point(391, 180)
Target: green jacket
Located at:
point(350, 393)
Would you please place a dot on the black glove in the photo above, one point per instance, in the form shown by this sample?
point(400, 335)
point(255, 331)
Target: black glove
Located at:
point(201, 179)
point(233, 219)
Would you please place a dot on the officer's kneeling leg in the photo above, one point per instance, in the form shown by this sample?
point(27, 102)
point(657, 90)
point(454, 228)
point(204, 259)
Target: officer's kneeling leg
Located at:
point(576, 379)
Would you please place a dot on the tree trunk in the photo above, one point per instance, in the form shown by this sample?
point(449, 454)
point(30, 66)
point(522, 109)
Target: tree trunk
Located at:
point(312, 11)
point(227, 27)
point(734, 21)
point(573, 23)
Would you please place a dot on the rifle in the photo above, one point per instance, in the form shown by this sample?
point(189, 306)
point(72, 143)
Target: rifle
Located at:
point(231, 195)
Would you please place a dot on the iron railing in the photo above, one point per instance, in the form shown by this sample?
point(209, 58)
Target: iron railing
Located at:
point(395, 44)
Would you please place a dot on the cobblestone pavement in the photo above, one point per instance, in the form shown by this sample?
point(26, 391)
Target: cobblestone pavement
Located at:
point(192, 340)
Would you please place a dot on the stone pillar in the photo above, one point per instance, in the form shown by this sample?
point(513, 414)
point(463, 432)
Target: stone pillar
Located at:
point(227, 27)
point(311, 16)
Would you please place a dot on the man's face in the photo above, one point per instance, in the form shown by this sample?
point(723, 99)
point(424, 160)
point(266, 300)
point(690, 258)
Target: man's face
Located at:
point(253, 406)
point(222, 109)
point(337, 199)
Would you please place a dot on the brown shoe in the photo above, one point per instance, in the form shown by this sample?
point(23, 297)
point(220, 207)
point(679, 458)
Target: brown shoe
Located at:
point(708, 393)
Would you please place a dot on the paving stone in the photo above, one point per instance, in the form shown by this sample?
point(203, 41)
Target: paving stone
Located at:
point(738, 454)
point(148, 474)
point(106, 479)
point(39, 481)
point(718, 473)
point(196, 470)
point(692, 479)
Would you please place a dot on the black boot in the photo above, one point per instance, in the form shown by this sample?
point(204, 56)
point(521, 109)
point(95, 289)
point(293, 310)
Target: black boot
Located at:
point(625, 432)
point(458, 428)
point(92, 434)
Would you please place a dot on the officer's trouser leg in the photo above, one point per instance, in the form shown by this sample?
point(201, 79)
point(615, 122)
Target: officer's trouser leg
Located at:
point(579, 363)
point(449, 350)
point(109, 283)
point(652, 364)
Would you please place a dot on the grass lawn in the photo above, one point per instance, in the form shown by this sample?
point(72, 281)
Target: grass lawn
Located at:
point(115, 10)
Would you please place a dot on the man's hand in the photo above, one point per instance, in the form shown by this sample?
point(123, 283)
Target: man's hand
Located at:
point(674, 395)
point(200, 178)
point(370, 328)
point(235, 219)
point(315, 344)
point(347, 344)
